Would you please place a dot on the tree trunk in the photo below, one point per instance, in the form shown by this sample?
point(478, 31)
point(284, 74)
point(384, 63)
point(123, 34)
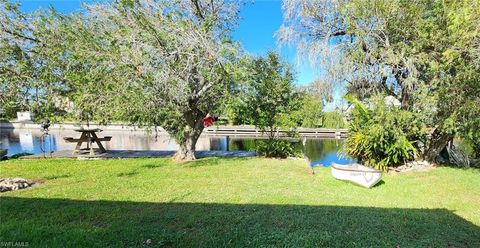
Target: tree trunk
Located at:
point(186, 151)
point(405, 97)
point(192, 131)
point(436, 143)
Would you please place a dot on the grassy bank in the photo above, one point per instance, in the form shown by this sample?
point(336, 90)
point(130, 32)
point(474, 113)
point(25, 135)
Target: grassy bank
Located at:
point(234, 202)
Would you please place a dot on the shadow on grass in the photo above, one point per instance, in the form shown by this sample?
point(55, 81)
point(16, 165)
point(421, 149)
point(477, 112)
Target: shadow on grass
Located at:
point(59, 222)
point(153, 166)
point(471, 167)
point(57, 177)
point(203, 162)
point(128, 174)
point(211, 161)
point(380, 183)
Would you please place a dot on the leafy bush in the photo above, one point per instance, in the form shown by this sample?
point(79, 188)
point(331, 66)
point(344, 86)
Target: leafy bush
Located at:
point(272, 148)
point(469, 131)
point(381, 136)
point(3, 153)
point(471, 146)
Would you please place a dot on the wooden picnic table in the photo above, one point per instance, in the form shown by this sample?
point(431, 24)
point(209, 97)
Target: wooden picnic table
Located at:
point(88, 136)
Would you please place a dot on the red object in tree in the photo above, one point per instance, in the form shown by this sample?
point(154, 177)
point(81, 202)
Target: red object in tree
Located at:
point(208, 120)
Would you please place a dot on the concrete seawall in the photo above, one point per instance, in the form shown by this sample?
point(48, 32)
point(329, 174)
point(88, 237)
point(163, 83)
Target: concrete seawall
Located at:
point(213, 130)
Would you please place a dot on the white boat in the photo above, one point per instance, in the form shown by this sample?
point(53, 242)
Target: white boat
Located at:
point(356, 173)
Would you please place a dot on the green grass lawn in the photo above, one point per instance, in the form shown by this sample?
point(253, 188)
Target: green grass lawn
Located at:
point(237, 202)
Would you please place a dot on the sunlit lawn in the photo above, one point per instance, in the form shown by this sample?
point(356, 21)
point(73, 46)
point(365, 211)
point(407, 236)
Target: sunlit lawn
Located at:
point(216, 202)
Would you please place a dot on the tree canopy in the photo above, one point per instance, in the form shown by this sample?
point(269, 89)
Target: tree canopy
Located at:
point(153, 63)
point(424, 53)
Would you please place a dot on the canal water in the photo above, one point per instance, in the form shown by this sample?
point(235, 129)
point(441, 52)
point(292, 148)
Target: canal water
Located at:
point(320, 152)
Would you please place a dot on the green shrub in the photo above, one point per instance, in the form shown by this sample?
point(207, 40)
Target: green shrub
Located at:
point(471, 146)
point(3, 153)
point(381, 136)
point(272, 148)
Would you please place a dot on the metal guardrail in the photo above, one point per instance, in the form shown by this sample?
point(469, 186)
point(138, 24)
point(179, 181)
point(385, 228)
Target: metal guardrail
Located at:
point(252, 131)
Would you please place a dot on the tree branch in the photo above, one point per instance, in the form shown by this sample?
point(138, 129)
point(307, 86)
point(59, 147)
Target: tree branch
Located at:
point(20, 35)
point(198, 9)
point(338, 33)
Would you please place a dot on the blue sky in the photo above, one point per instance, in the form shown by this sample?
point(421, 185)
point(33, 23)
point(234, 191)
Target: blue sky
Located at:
point(259, 21)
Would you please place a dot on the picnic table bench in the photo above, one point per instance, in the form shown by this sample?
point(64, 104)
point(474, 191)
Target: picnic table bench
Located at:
point(88, 136)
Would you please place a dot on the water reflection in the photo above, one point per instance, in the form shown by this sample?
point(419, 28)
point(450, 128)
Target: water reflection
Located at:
point(317, 151)
point(322, 152)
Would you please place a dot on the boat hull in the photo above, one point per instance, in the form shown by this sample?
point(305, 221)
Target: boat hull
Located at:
point(357, 174)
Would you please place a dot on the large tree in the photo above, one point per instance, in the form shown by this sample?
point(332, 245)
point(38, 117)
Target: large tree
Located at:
point(422, 53)
point(269, 93)
point(152, 63)
point(174, 60)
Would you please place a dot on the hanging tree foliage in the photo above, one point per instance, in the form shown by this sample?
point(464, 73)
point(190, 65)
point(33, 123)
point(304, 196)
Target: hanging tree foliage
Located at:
point(53, 66)
point(174, 60)
point(152, 63)
point(424, 53)
point(20, 65)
